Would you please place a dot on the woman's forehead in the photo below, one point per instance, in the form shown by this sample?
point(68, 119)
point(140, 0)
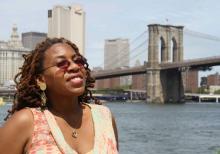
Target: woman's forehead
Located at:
point(60, 49)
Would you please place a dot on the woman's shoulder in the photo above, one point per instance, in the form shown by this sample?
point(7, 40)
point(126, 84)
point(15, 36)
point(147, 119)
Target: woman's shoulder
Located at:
point(18, 129)
point(20, 119)
point(101, 111)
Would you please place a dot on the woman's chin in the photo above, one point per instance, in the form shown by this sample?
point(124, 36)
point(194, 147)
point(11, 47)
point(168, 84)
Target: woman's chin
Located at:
point(76, 91)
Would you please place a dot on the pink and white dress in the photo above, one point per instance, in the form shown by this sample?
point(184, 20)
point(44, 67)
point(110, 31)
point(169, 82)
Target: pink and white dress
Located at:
point(47, 137)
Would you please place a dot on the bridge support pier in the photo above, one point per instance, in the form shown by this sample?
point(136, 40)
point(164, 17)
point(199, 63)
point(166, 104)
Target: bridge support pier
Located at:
point(172, 85)
point(154, 87)
point(164, 86)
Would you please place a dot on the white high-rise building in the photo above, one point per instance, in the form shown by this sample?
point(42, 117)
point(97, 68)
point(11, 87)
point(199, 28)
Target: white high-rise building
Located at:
point(116, 53)
point(68, 22)
point(11, 56)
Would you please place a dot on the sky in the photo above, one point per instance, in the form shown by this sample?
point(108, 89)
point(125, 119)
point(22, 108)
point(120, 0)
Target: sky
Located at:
point(121, 19)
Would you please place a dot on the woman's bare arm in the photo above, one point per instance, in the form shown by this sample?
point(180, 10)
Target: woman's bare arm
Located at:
point(115, 130)
point(16, 132)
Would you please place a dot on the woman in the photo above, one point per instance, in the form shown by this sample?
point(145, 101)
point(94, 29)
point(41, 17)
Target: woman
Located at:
point(50, 112)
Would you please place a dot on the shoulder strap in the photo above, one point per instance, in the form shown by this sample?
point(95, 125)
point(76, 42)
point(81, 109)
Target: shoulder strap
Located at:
point(104, 135)
point(39, 119)
point(57, 134)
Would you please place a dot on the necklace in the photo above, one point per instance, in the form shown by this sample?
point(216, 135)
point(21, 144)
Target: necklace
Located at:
point(74, 134)
point(74, 130)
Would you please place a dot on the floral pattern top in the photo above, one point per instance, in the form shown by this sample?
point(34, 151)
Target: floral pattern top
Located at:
point(47, 137)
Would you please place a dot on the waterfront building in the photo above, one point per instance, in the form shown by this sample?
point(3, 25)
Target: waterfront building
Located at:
point(139, 80)
point(68, 22)
point(31, 39)
point(190, 81)
point(11, 56)
point(110, 83)
point(211, 83)
point(99, 84)
point(116, 56)
point(213, 79)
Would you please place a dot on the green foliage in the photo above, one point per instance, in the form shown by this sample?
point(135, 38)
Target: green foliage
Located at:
point(202, 90)
point(217, 92)
point(108, 91)
point(119, 89)
point(188, 91)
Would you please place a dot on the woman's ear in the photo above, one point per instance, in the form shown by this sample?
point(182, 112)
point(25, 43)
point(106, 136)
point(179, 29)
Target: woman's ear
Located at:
point(40, 78)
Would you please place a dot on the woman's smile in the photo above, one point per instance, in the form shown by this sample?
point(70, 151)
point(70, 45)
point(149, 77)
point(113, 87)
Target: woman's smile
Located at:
point(76, 81)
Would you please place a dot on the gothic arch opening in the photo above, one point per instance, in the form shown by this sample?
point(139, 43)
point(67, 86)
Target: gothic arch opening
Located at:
point(174, 54)
point(161, 52)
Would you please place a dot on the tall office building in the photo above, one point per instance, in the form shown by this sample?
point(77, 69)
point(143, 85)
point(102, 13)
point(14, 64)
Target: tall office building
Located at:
point(31, 39)
point(11, 56)
point(116, 56)
point(116, 53)
point(68, 22)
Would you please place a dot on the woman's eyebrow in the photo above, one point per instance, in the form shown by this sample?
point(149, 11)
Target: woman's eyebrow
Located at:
point(64, 57)
point(60, 57)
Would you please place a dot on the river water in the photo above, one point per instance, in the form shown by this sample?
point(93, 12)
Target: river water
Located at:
point(165, 129)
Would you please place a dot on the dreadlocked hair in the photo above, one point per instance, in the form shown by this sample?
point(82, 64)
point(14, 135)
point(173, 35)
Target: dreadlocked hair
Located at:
point(28, 93)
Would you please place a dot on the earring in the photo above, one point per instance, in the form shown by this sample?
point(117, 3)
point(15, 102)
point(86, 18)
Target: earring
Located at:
point(43, 87)
point(43, 99)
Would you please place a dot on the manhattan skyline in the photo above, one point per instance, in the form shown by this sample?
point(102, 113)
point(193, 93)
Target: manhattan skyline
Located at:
point(116, 19)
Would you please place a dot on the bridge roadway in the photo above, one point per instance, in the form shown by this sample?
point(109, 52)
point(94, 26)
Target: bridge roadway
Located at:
point(191, 64)
point(7, 92)
point(103, 74)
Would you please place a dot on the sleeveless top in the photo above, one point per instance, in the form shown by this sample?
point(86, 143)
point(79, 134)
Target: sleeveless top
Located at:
point(47, 137)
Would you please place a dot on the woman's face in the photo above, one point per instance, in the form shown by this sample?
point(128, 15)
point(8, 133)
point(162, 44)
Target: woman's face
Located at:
point(64, 72)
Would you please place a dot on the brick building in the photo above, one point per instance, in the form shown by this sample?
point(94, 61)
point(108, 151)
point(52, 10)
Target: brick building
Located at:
point(190, 81)
point(110, 83)
point(213, 79)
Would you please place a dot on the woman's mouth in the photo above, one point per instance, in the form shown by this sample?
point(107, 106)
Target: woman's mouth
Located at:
point(76, 80)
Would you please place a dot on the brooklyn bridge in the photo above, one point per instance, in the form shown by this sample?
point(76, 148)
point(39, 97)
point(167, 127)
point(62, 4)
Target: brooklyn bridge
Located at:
point(165, 64)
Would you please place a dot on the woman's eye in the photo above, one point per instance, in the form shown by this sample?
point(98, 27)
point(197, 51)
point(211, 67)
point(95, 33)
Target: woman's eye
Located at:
point(79, 61)
point(63, 64)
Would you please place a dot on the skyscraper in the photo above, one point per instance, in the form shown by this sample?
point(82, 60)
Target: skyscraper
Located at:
point(68, 22)
point(31, 39)
point(116, 56)
point(116, 53)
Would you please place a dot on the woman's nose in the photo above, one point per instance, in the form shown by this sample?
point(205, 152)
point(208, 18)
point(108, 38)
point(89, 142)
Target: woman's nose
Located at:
point(73, 67)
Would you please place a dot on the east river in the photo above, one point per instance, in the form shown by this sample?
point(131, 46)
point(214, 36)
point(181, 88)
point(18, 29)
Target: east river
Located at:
point(164, 129)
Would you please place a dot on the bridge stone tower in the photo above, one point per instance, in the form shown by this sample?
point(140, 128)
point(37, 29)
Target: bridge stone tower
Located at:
point(165, 46)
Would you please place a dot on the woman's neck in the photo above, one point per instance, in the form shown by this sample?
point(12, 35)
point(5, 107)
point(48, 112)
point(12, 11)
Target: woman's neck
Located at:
point(65, 105)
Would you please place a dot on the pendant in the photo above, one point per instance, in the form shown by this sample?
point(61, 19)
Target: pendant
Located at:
point(74, 134)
